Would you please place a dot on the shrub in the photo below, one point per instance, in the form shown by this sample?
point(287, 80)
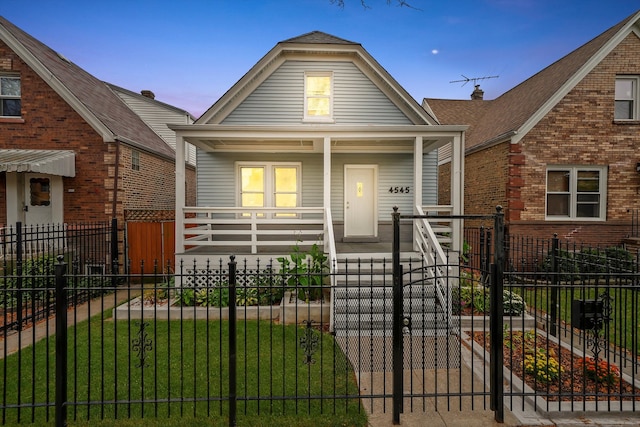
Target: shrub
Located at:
point(186, 297)
point(304, 272)
point(246, 296)
point(37, 277)
point(591, 261)
point(478, 297)
point(568, 265)
point(512, 303)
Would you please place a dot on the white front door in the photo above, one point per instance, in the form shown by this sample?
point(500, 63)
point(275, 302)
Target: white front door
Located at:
point(38, 198)
point(360, 201)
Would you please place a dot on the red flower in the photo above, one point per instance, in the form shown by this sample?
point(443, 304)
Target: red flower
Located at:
point(599, 370)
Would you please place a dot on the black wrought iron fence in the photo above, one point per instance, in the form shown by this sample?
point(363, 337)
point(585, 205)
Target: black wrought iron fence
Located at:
point(28, 256)
point(252, 340)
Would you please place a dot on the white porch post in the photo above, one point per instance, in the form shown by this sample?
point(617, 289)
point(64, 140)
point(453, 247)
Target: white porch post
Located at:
point(326, 169)
point(457, 189)
point(180, 193)
point(417, 171)
point(417, 179)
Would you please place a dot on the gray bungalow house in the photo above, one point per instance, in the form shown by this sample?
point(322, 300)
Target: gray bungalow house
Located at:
point(314, 144)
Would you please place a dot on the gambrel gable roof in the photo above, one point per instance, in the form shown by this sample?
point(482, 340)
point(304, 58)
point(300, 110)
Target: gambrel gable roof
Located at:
point(514, 113)
point(316, 43)
point(88, 96)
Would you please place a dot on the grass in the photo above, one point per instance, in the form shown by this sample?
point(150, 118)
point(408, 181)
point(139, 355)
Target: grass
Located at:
point(625, 315)
point(184, 379)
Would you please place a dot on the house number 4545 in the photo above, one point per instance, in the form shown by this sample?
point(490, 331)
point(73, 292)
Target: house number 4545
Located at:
point(398, 189)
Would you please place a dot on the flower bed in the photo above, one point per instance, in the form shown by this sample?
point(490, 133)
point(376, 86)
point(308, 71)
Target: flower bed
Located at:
point(557, 373)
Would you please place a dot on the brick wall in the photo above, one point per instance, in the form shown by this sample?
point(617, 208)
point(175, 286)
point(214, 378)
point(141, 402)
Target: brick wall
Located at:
point(580, 130)
point(48, 122)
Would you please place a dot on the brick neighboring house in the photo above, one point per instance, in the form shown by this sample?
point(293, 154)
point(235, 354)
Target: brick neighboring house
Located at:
point(73, 148)
point(559, 151)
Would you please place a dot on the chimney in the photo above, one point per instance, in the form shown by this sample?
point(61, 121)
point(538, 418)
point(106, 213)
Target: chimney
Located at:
point(148, 94)
point(477, 93)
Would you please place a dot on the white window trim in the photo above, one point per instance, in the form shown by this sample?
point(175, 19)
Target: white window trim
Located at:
point(320, 119)
point(12, 76)
point(573, 191)
point(635, 98)
point(269, 178)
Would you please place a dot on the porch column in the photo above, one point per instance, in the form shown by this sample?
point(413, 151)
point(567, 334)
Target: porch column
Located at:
point(327, 172)
point(417, 180)
point(457, 188)
point(180, 193)
point(417, 171)
point(326, 189)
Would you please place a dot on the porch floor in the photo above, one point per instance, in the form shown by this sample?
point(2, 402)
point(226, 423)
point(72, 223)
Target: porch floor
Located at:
point(342, 248)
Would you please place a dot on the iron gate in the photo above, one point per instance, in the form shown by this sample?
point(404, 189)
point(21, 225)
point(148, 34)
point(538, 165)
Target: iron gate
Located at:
point(426, 335)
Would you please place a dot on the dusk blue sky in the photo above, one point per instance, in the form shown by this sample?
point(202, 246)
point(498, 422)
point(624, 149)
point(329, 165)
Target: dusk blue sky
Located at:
point(190, 52)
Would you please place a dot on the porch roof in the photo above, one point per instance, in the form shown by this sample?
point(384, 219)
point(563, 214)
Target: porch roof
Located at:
point(309, 138)
point(53, 162)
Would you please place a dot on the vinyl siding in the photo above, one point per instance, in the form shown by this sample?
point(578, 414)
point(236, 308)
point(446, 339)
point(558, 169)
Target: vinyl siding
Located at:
point(430, 178)
point(217, 186)
point(280, 98)
point(157, 119)
point(217, 180)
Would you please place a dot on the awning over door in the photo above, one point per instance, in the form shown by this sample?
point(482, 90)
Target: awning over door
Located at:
point(52, 162)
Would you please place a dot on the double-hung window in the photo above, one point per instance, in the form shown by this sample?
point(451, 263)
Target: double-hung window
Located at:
point(10, 93)
point(269, 185)
point(626, 98)
point(318, 96)
point(576, 192)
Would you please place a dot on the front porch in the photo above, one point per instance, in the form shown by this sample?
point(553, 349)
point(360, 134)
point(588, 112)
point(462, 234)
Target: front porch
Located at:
point(268, 233)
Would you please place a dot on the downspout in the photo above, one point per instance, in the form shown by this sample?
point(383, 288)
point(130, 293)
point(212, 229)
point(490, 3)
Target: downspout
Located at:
point(115, 180)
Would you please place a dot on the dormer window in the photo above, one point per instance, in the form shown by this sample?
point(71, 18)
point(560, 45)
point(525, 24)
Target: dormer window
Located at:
point(318, 100)
point(10, 104)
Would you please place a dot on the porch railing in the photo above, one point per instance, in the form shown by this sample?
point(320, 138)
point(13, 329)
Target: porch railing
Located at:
point(447, 230)
point(252, 228)
point(439, 268)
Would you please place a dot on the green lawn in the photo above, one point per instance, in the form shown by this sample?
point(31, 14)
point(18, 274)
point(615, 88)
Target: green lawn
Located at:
point(184, 379)
point(625, 322)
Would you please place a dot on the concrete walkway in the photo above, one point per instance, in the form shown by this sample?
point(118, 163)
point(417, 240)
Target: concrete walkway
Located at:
point(47, 328)
point(461, 377)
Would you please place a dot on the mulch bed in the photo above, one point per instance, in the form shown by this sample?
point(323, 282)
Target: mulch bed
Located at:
point(572, 384)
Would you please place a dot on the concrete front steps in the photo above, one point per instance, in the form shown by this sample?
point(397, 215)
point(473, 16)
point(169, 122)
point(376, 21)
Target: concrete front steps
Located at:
point(363, 300)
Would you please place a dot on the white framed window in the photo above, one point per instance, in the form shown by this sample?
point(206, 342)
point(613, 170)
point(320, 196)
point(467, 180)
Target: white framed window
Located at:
point(626, 98)
point(269, 184)
point(576, 192)
point(10, 93)
point(318, 96)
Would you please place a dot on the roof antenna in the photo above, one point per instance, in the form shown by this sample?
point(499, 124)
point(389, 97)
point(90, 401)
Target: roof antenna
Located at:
point(472, 79)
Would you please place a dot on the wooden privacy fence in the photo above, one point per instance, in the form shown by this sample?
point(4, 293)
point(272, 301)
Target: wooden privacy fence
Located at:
point(147, 243)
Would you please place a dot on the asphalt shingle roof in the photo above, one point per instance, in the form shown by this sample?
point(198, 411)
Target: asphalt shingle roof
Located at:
point(489, 119)
point(318, 37)
point(94, 94)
